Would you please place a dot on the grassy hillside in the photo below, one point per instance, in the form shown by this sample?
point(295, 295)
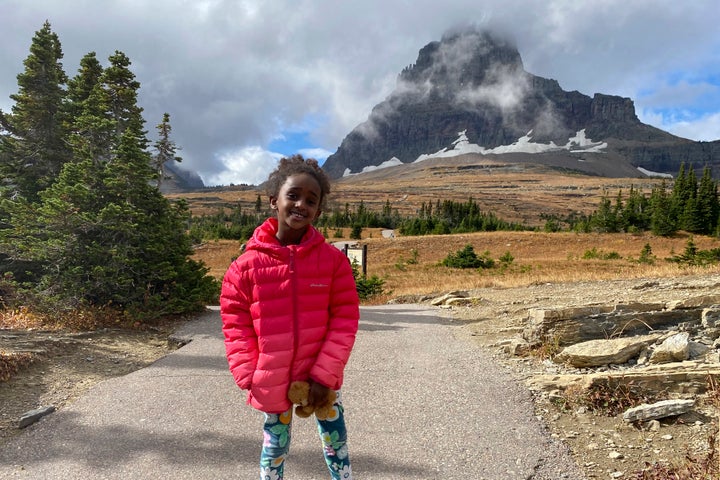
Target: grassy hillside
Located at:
point(411, 265)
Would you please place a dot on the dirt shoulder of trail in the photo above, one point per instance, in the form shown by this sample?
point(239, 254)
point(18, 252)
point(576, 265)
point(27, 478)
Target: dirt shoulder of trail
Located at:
point(66, 365)
point(605, 447)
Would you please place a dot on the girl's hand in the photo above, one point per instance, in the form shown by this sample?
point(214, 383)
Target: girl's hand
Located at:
point(320, 396)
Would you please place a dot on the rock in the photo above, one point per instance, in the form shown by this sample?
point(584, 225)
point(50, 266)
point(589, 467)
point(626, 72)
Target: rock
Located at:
point(674, 349)
point(702, 301)
point(562, 324)
point(443, 299)
point(635, 307)
point(711, 317)
point(643, 357)
point(712, 333)
point(556, 384)
point(665, 408)
point(32, 416)
point(515, 347)
point(687, 378)
point(580, 324)
point(697, 350)
point(462, 301)
point(596, 353)
point(653, 426)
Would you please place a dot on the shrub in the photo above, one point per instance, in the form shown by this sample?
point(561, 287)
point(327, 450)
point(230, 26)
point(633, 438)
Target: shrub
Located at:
point(11, 363)
point(646, 255)
point(356, 233)
point(367, 287)
point(693, 256)
point(467, 258)
point(506, 258)
point(595, 254)
point(413, 257)
point(604, 399)
point(403, 263)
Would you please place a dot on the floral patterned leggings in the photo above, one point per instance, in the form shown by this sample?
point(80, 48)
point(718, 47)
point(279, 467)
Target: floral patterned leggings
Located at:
point(276, 444)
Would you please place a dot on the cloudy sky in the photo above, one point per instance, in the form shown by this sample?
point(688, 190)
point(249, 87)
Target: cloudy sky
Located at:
point(248, 81)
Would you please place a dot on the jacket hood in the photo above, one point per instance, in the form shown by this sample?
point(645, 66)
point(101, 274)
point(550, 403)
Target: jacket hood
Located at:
point(264, 239)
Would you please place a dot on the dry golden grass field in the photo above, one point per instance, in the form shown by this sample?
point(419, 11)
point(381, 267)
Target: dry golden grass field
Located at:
point(537, 258)
point(410, 265)
point(514, 192)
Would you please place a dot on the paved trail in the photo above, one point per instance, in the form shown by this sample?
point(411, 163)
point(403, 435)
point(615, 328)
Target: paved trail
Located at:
point(421, 403)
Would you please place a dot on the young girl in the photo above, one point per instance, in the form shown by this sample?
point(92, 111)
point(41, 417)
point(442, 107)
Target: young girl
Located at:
point(290, 312)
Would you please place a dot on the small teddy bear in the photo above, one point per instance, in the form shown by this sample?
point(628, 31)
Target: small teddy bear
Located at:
point(312, 398)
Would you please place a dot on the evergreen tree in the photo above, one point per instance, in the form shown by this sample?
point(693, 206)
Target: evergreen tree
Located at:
point(120, 90)
point(165, 149)
point(103, 233)
point(617, 212)
point(690, 219)
point(634, 214)
point(604, 219)
point(33, 146)
point(116, 240)
point(684, 190)
point(81, 87)
point(708, 207)
point(387, 209)
point(679, 193)
point(662, 222)
point(107, 111)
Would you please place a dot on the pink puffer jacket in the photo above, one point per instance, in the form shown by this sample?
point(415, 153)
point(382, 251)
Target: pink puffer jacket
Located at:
point(289, 313)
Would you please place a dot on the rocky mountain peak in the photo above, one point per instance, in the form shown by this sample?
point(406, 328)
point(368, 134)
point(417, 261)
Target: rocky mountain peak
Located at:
point(463, 58)
point(472, 86)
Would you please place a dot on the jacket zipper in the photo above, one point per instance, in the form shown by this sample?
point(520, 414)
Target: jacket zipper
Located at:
point(293, 286)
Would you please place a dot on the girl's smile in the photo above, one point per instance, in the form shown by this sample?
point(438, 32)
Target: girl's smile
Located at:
point(297, 206)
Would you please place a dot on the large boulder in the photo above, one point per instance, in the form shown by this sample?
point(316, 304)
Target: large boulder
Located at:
point(595, 353)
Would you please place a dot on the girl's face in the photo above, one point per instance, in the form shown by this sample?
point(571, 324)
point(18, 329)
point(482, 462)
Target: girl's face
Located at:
point(297, 205)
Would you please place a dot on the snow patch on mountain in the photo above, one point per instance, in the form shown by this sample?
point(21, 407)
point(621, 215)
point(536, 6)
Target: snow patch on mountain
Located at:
point(654, 174)
point(580, 143)
point(577, 144)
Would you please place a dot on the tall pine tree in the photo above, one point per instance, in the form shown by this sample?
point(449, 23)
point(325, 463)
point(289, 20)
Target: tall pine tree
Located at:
point(33, 145)
point(683, 198)
point(103, 232)
point(80, 88)
point(662, 221)
point(165, 149)
point(707, 203)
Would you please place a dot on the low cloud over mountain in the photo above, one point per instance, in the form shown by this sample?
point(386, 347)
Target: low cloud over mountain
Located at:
point(470, 93)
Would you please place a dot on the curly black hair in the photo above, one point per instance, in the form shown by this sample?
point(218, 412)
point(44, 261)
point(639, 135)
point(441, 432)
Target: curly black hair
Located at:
point(294, 165)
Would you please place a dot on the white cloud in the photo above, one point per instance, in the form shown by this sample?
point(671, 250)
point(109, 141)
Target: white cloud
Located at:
point(233, 73)
point(319, 154)
point(249, 165)
point(505, 91)
point(705, 128)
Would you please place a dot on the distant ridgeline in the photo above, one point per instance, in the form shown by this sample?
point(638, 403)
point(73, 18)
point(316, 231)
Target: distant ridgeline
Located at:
point(179, 180)
point(691, 204)
point(469, 93)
